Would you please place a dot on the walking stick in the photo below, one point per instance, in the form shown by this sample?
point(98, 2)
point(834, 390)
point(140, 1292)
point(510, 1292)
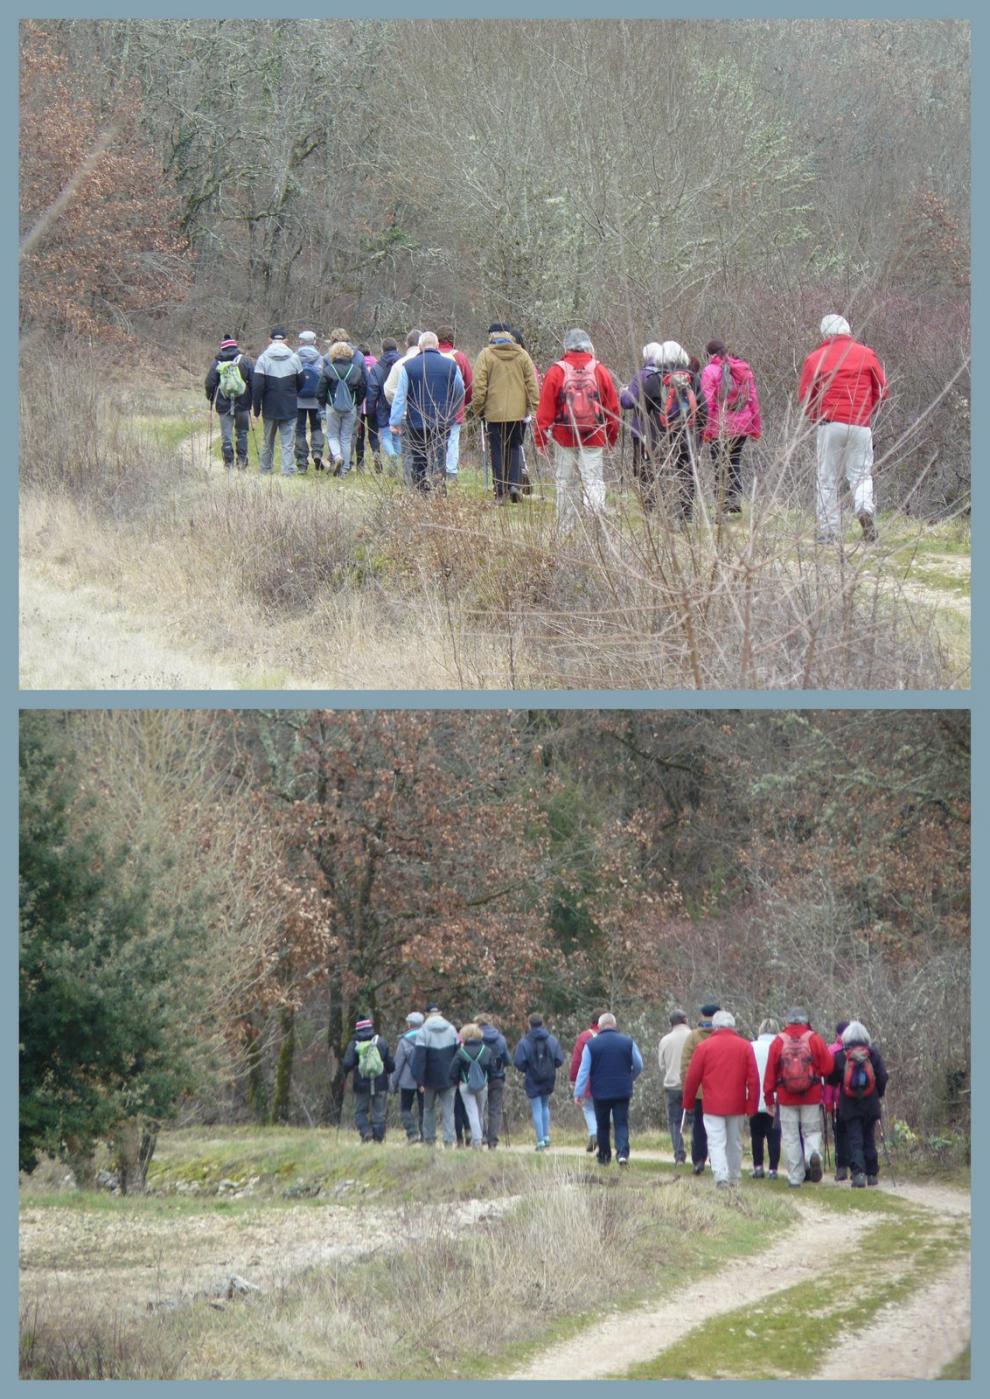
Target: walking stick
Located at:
point(886, 1150)
point(824, 1114)
point(209, 436)
point(484, 451)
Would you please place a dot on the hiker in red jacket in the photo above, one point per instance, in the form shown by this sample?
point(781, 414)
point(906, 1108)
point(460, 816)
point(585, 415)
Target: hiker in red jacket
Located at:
point(842, 385)
point(798, 1061)
point(724, 1067)
point(587, 1104)
point(579, 409)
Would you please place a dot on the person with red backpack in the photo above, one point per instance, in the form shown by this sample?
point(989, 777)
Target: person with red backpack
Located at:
point(579, 409)
point(732, 417)
point(674, 413)
point(861, 1077)
point(798, 1061)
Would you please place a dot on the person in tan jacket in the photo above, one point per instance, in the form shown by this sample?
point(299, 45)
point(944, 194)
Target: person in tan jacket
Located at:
point(505, 394)
point(699, 1137)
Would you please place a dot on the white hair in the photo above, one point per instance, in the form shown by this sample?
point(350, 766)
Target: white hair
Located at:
point(652, 352)
point(428, 341)
point(672, 353)
point(856, 1033)
point(606, 1021)
point(834, 325)
point(723, 1020)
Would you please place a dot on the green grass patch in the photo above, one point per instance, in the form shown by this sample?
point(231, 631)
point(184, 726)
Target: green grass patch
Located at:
point(905, 1250)
point(959, 1368)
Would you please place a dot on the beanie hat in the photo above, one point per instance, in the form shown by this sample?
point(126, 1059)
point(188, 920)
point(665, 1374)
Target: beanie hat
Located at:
point(834, 325)
point(364, 1024)
point(723, 1020)
point(709, 1010)
point(278, 333)
point(797, 1016)
point(500, 328)
point(228, 343)
point(415, 1017)
point(432, 1007)
point(307, 336)
point(578, 340)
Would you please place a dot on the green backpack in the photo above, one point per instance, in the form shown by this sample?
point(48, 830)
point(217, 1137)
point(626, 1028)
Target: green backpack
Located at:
point(370, 1061)
point(232, 383)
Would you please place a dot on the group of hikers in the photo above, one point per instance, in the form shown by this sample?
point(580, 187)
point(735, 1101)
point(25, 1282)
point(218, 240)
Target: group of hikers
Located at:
point(791, 1085)
point(349, 399)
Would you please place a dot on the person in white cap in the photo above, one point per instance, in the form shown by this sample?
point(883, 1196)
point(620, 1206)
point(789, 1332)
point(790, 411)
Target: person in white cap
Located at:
point(403, 1082)
point(842, 385)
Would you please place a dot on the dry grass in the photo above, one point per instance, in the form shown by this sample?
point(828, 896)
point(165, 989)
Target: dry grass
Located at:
point(315, 583)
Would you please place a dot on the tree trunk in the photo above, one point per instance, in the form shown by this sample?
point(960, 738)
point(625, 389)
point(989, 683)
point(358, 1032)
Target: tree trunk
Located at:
point(257, 1089)
point(133, 1147)
point(283, 1071)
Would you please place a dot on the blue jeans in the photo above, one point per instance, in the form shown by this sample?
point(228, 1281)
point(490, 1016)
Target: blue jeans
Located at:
point(540, 1108)
point(453, 448)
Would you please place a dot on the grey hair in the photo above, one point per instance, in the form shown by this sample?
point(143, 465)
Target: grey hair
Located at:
point(578, 340)
point(834, 325)
point(652, 353)
point(428, 341)
point(797, 1016)
point(673, 353)
point(723, 1020)
point(856, 1033)
point(606, 1021)
point(768, 1027)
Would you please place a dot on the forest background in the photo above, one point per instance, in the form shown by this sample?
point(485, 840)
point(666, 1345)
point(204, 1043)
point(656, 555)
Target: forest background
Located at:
point(210, 900)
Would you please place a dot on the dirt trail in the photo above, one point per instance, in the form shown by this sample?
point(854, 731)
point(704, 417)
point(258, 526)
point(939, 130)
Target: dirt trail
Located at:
point(898, 1341)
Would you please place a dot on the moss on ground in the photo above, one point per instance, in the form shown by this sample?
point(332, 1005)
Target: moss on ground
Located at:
point(903, 1252)
point(958, 1369)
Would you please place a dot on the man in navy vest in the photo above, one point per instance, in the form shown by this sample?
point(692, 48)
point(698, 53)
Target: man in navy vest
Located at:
point(609, 1064)
point(430, 391)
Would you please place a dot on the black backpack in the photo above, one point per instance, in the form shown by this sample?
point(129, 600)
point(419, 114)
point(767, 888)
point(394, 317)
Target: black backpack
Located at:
point(542, 1069)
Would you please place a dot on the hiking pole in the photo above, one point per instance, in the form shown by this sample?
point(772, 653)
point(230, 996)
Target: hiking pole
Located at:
point(484, 452)
point(209, 436)
point(824, 1116)
point(886, 1149)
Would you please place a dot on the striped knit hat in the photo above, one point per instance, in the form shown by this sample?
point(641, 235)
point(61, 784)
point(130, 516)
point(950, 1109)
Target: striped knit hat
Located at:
point(364, 1025)
point(228, 343)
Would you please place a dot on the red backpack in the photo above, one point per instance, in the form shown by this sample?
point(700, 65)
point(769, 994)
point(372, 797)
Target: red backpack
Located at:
point(796, 1068)
point(579, 402)
point(672, 399)
point(858, 1077)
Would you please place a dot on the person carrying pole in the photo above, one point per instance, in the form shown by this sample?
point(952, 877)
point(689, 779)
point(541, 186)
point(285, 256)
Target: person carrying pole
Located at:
point(861, 1077)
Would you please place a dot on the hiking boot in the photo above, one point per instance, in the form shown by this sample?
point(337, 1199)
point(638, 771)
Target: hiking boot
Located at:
point(592, 1144)
point(842, 1174)
point(815, 1167)
point(604, 1160)
point(413, 1141)
point(697, 1169)
point(873, 1180)
point(623, 1160)
point(680, 1160)
point(869, 526)
point(338, 467)
point(757, 1173)
point(541, 1146)
point(721, 1185)
point(771, 1175)
point(794, 1184)
point(242, 465)
point(859, 1180)
point(318, 464)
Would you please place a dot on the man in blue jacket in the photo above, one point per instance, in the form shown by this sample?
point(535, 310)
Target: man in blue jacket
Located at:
point(609, 1064)
point(430, 391)
point(276, 385)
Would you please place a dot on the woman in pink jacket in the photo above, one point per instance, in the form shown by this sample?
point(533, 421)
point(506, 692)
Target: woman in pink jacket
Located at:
point(733, 415)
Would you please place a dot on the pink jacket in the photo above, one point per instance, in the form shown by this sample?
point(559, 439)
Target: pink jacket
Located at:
point(746, 422)
point(830, 1091)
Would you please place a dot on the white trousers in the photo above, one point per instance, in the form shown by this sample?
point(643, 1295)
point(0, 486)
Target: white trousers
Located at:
point(724, 1145)
point(843, 450)
point(578, 476)
point(797, 1122)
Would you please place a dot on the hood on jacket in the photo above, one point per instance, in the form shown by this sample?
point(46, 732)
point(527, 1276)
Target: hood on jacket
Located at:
point(539, 1032)
point(278, 350)
point(506, 349)
point(308, 354)
point(436, 1023)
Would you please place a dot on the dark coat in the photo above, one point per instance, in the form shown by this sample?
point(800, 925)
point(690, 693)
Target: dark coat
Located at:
point(523, 1060)
point(612, 1068)
point(650, 430)
point(246, 365)
point(868, 1107)
point(496, 1042)
point(276, 383)
point(349, 1063)
point(352, 370)
point(377, 405)
point(460, 1068)
point(432, 397)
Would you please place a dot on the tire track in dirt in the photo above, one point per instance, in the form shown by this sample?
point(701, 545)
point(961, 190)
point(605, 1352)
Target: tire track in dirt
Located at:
point(898, 1340)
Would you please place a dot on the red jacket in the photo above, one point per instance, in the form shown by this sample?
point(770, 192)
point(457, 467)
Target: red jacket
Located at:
point(724, 1066)
point(579, 1044)
point(467, 374)
point(546, 412)
point(821, 1057)
point(842, 382)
